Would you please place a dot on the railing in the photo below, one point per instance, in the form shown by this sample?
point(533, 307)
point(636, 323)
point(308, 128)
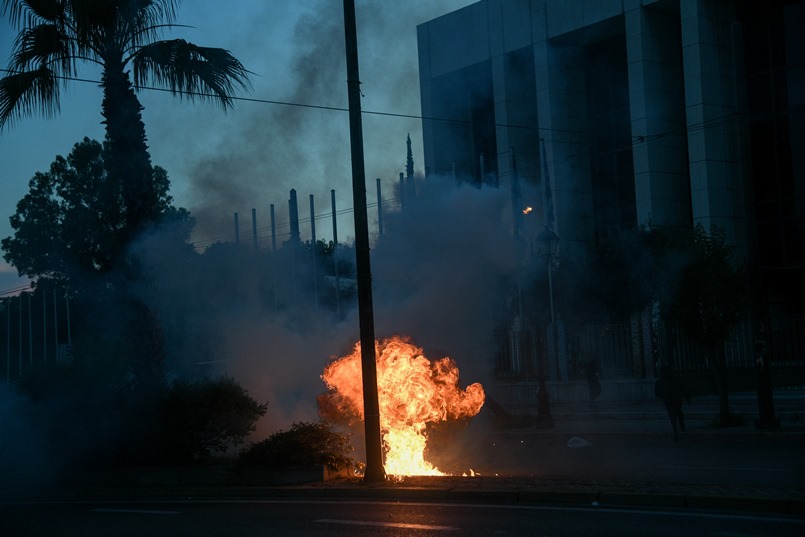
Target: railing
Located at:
point(613, 345)
point(787, 345)
point(517, 354)
point(609, 344)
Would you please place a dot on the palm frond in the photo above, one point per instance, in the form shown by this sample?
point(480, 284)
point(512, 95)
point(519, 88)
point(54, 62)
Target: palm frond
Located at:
point(149, 10)
point(43, 44)
point(31, 12)
point(190, 71)
point(142, 21)
point(28, 92)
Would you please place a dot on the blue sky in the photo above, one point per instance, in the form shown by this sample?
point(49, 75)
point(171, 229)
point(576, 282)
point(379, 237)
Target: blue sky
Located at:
point(250, 157)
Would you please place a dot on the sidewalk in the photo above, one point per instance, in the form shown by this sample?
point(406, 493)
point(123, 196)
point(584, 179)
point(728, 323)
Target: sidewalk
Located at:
point(619, 454)
point(702, 411)
point(622, 454)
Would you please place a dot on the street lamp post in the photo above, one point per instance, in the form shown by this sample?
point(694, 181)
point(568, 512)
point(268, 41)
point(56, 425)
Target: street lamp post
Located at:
point(548, 242)
point(375, 471)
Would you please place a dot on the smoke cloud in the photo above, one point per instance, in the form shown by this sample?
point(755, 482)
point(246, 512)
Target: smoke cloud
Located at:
point(439, 270)
point(253, 155)
point(443, 271)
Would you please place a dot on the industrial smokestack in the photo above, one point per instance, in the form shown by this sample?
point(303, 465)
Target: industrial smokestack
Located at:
point(254, 229)
point(409, 172)
point(313, 254)
point(379, 209)
point(293, 212)
point(237, 230)
point(273, 231)
point(273, 256)
point(335, 257)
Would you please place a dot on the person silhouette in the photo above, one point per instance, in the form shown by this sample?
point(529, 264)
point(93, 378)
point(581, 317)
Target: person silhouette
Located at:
point(671, 390)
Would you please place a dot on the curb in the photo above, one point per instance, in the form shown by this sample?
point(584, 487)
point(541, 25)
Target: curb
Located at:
point(601, 498)
point(590, 496)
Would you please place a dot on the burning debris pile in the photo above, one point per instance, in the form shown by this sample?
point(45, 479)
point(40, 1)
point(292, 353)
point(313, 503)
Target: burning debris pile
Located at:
point(413, 393)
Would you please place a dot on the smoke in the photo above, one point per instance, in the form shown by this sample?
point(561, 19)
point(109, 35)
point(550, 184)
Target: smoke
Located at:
point(273, 148)
point(55, 423)
point(441, 285)
point(282, 365)
point(253, 155)
point(23, 451)
point(443, 270)
point(441, 274)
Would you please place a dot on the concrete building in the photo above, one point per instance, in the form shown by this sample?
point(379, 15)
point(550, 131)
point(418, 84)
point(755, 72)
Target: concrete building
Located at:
point(670, 112)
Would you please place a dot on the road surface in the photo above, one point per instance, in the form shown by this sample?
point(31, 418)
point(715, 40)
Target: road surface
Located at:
point(285, 518)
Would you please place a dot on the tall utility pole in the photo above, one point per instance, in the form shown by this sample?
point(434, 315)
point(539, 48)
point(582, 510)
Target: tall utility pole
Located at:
point(371, 408)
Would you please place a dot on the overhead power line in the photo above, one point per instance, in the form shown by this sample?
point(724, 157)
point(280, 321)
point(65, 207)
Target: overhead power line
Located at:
point(706, 124)
point(15, 290)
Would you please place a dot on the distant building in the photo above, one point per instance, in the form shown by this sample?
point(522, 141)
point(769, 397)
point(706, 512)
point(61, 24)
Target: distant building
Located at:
point(673, 112)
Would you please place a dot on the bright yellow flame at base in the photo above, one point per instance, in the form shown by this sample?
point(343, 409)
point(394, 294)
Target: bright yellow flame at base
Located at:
point(412, 393)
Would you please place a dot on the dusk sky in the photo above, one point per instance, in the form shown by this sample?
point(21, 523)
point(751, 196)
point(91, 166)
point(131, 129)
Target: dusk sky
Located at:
point(250, 157)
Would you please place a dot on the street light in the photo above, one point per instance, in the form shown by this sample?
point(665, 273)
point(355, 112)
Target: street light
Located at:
point(547, 242)
point(374, 472)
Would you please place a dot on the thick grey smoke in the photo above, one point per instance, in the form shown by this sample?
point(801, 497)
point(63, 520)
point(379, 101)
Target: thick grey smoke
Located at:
point(252, 156)
point(442, 274)
point(444, 269)
point(273, 148)
point(437, 271)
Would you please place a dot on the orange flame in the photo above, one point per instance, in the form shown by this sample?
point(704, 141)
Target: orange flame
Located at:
point(412, 393)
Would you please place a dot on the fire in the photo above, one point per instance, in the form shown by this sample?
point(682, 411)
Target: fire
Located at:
point(413, 392)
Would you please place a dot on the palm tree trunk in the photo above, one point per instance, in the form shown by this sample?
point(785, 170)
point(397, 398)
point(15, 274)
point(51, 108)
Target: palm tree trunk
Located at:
point(129, 161)
point(130, 164)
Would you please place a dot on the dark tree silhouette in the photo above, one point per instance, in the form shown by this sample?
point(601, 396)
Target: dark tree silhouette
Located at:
point(118, 35)
point(69, 231)
point(705, 294)
point(122, 37)
point(70, 226)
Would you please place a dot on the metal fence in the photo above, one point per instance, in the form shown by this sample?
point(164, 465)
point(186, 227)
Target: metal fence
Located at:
point(622, 352)
point(518, 353)
point(609, 344)
point(787, 342)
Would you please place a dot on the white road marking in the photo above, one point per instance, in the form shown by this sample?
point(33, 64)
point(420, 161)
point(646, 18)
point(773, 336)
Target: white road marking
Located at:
point(137, 511)
point(727, 468)
point(401, 525)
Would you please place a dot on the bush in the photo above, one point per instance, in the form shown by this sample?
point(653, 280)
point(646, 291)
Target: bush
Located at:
point(304, 445)
point(202, 418)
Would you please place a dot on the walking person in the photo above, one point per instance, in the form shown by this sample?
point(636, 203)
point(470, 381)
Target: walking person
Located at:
point(671, 390)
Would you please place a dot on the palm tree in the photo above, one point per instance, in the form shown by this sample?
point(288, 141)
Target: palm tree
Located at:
point(121, 36)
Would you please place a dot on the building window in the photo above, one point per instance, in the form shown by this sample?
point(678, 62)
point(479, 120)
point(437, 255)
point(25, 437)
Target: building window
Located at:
point(610, 137)
point(462, 101)
point(775, 69)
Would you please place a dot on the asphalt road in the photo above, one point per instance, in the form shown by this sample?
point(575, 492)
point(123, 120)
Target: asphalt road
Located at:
point(247, 518)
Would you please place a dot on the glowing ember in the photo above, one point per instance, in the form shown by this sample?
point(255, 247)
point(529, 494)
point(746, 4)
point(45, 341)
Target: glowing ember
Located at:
point(413, 392)
point(527, 210)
